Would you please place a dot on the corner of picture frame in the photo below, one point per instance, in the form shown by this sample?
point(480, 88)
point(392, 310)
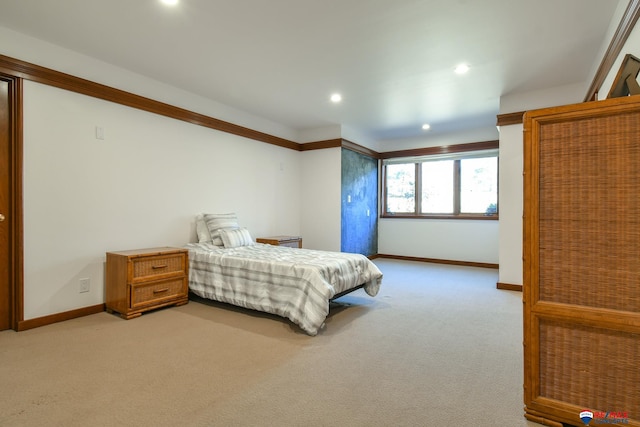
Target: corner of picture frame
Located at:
point(626, 82)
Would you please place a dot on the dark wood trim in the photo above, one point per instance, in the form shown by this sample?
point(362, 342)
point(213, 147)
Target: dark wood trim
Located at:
point(17, 235)
point(36, 73)
point(339, 142)
point(360, 149)
point(443, 149)
point(25, 70)
point(321, 145)
point(481, 217)
point(440, 261)
point(627, 23)
point(64, 81)
point(510, 118)
point(508, 287)
point(15, 211)
point(59, 317)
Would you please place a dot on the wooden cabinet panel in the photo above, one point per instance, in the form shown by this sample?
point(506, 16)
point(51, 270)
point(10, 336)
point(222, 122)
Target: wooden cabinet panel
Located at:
point(581, 289)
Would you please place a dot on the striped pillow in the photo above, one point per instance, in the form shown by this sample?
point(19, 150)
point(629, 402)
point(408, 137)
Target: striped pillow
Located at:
point(234, 237)
point(201, 230)
point(216, 222)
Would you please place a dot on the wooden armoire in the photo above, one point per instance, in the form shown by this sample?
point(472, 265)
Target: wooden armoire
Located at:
point(581, 258)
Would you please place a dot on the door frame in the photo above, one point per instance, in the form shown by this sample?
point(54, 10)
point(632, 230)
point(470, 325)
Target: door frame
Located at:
point(15, 213)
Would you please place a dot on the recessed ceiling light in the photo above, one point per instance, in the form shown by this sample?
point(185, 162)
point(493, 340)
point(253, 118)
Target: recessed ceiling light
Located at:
point(426, 126)
point(461, 69)
point(170, 2)
point(336, 97)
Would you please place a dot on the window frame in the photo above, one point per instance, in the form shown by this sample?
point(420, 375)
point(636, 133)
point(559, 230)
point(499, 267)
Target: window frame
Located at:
point(435, 152)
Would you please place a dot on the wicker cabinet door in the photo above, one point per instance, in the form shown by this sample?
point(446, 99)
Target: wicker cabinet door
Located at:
point(582, 263)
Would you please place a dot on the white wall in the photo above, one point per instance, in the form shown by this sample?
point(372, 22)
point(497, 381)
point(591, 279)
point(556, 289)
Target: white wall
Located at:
point(511, 167)
point(511, 205)
point(321, 205)
point(454, 240)
point(139, 187)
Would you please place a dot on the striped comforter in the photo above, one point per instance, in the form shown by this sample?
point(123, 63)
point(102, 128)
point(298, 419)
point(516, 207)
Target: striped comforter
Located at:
point(292, 283)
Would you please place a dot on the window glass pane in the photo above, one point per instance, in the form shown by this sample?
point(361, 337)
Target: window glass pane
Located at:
point(401, 188)
point(437, 187)
point(479, 185)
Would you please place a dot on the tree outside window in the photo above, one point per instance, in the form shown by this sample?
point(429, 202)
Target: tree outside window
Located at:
point(401, 184)
point(479, 185)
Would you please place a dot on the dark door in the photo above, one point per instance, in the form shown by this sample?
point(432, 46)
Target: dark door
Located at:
point(5, 202)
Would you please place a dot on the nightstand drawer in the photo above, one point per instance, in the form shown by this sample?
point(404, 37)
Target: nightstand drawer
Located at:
point(157, 292)
point(147, 267)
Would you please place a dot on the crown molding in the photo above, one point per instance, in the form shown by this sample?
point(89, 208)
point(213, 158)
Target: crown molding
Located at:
point(36, 73)
point(444, 149)
point(510, 118)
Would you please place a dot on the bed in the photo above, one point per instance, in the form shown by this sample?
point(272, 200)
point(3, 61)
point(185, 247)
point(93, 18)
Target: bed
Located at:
point(297, 284)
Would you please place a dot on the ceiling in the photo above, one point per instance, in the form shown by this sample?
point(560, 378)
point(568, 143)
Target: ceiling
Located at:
point(392, 60)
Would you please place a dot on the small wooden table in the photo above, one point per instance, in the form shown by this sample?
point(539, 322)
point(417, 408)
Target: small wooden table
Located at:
point(289, 241)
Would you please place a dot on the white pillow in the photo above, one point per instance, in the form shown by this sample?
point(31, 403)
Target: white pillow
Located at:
point(201, 230)
point(234, 237)
point(216, 222)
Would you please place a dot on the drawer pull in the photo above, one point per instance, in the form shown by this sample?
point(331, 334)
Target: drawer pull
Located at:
point(159, 291)
point(157, 267)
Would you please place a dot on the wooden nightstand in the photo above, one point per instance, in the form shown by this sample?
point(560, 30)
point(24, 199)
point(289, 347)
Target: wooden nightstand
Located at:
point(289, 241)
point(145, 279)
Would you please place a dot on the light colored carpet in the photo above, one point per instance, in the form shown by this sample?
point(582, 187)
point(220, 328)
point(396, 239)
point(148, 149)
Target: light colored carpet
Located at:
point(438, 346)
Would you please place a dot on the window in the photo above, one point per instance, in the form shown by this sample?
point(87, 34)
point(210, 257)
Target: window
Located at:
point(401, 187)
point(437, 178)
point(447, 184)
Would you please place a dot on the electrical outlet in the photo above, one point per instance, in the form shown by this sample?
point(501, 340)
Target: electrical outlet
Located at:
point(85, 285)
